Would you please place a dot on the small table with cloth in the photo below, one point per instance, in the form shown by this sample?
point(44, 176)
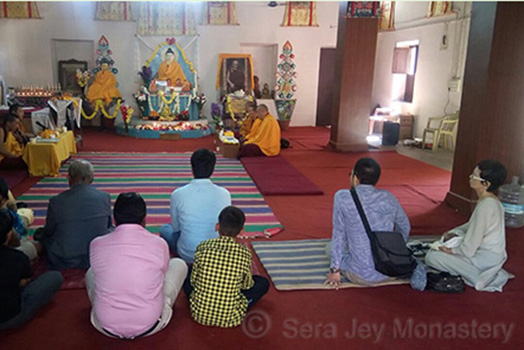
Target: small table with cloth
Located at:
point(44, 159)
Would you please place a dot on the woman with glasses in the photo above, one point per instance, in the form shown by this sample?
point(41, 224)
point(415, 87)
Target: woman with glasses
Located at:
point(479, 257)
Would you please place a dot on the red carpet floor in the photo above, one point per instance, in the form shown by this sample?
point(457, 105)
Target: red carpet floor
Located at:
point(389, 318)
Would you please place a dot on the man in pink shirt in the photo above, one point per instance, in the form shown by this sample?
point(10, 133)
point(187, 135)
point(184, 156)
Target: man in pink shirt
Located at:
point(132, 284)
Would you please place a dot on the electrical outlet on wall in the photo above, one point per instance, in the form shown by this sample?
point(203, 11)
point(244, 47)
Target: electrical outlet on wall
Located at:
point(454, 85)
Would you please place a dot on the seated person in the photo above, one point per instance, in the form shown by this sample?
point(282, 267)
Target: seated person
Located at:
point(104, 86)
point(350, 248)
point(264, 138)
point(481, 254)
point(74, 218)
point(11, 150)
point(195, 208)
point(20, 299)
point(220, 287)
point(19, 238)
point(251, 116)
point(171, 71)
point(132, 284)
point(21, 135)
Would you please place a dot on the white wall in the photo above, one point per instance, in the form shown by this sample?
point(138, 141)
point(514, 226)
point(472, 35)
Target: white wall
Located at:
point(435, 66)
point(26, 53)
point(26, 56)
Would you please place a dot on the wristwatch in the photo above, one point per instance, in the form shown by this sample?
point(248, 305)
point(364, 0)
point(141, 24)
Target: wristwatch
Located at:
point(334, 270)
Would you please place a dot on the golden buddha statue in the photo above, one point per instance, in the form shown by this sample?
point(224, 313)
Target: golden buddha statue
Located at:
point(104, 86)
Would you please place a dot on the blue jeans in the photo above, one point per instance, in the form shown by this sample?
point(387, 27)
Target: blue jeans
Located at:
point(35, 295)
point(170, 236)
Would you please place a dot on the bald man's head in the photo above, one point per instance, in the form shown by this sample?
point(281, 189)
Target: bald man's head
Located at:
point(262, 111)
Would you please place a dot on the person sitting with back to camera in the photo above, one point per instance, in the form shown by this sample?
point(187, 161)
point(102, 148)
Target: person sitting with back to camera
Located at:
point(74, 218)
point(481, 251)
point(350, 249)
point(219, 285)
point(132, 284)
point(195, 207)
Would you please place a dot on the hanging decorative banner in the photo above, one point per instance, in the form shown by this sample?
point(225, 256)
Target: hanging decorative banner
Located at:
point(286, 85)
point(166, 18)
point(220, 13)
point(300, 14)
point(387, 17)
point(113, 11)
point(439, 8)
point(19, 9)
point(363, 9)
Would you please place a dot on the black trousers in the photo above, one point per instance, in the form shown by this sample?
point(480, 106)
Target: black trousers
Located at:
point(252, 295)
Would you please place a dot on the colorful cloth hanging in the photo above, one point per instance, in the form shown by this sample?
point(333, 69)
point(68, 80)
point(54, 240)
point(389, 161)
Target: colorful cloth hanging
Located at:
point(387, 16)
point(19, 9)
point(439, 8)
point(166, 18)
point(363, 9)
point(220, 13)
point(300, 14)
point(113, 11)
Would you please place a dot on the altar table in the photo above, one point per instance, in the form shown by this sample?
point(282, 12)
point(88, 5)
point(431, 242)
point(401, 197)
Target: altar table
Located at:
point(44, 159)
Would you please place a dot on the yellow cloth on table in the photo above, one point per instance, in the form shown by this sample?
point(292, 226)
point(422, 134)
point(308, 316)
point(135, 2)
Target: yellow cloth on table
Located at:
point(266, 135)
point(44, 159)
point(172, 72)
point(12, 146)
point(103, 88)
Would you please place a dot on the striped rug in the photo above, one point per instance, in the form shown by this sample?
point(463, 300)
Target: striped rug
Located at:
point(155, 176)
point(296, 265)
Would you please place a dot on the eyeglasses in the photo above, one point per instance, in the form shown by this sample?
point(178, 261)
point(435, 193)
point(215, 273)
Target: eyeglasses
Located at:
point(473, 177)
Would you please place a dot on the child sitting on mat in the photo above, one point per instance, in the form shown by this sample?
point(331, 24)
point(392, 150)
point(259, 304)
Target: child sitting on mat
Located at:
point(20, 299)
point(219, 286)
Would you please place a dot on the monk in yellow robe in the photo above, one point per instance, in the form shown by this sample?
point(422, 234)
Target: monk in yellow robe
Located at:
point(171, 71)
point(104, 86)
point(10, 149)
point(251, 117)
point(264, 138)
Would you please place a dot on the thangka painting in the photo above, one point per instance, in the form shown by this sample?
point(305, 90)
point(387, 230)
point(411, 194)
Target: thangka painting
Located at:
point(300, 14)
point(439, 8)
point(363, 9)
point(113, 11)
point(166, 18)
point(387, 17)
point(19, 9)
point(220, 13)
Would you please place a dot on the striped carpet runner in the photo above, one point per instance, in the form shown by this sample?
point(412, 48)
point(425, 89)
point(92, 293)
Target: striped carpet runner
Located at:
point(155, 176)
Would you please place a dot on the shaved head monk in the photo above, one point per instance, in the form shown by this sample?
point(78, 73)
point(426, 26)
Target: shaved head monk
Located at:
point(264, 137)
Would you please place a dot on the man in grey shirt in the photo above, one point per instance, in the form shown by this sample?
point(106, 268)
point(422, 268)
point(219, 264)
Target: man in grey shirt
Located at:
point(74, 218)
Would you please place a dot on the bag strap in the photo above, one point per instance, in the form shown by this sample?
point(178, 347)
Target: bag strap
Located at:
point(361, 213)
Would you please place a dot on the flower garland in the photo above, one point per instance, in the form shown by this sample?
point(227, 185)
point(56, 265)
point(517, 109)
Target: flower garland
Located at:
point(99, 105)
point(228, 99)
point(127, 113)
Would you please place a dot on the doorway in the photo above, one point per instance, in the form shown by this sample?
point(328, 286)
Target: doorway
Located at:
point(326, 76)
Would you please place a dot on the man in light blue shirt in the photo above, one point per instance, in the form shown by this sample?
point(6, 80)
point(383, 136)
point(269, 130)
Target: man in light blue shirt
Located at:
point(350, 248)
point(195, 208)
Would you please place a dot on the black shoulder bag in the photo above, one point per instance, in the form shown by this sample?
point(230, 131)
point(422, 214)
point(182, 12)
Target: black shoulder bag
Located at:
point(390, 254)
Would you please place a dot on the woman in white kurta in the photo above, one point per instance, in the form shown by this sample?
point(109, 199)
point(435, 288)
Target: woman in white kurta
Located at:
point(482, 252)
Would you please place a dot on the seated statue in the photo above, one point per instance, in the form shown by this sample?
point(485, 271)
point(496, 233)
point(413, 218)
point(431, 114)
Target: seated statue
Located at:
point(171, 71)
point(104, 86)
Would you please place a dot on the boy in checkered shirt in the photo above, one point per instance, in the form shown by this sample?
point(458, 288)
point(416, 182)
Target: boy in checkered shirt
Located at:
point(220, 286)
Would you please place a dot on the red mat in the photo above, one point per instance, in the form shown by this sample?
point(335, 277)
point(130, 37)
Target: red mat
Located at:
point(275, 176)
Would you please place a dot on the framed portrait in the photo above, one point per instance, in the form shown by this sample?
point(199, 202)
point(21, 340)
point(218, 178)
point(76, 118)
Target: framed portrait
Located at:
point(235, 73)
point(67, 75)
